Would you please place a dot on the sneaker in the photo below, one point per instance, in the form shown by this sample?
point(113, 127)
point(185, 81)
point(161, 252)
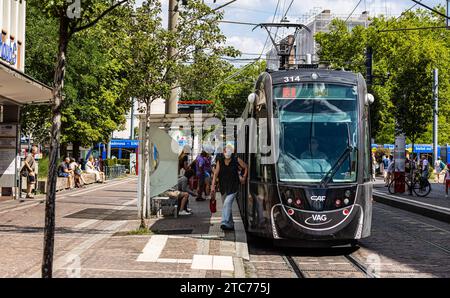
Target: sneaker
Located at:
point(183, 212)
point(189, 210)
point(225, 228)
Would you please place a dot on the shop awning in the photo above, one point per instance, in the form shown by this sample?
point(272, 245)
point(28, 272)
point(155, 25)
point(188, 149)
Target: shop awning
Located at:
point(19, 88)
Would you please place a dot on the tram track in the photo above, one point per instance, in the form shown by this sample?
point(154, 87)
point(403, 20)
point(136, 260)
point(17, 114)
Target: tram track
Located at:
point(293, 265)
point(360, 266)
point(348, 268)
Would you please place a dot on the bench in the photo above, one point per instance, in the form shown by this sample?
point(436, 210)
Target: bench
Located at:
point(61, 182)
point(165, 206)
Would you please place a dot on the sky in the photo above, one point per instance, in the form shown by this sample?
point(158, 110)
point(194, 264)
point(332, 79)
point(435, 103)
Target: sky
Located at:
point(251, 43)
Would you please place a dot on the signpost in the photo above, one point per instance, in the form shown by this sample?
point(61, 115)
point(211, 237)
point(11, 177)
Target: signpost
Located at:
point(8, 158)
point(400, 158)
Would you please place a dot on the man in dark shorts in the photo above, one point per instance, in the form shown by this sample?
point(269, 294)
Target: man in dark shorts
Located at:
point(29, 170)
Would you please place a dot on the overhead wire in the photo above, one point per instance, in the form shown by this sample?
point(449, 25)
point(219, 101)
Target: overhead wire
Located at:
point(349, 16)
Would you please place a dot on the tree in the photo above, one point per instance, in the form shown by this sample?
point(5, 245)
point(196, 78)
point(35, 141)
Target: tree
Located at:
point(409, 57)
point(71, 18)
point(232, 92)
point(153, 73)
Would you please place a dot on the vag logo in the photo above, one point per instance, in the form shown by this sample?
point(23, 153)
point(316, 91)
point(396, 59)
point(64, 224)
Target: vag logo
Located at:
point(318, 198)
point(317, 219)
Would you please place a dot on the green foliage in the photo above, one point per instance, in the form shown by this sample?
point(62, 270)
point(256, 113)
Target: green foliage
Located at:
point(42, 168)
point(230, 95)
point(198, 42)
point(405, 97)
point(95, 103)
point(114, 161)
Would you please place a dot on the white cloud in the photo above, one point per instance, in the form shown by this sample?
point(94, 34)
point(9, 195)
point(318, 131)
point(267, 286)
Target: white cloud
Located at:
point(245, 44)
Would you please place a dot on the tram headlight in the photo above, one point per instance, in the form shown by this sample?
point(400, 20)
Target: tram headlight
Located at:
point(290, 201)
point(338, 203)
point(346, 201)
point(298, 202)
point(348, 193)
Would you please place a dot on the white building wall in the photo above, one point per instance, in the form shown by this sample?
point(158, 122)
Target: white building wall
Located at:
point(158, 107)
point(12, 24)
point(305, 41)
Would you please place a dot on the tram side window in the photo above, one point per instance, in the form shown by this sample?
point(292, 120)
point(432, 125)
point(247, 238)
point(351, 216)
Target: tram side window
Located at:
point(367, 155)
point(261, 172)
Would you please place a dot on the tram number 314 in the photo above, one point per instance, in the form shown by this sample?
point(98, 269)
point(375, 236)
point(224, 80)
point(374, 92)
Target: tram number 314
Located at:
point(291, 79)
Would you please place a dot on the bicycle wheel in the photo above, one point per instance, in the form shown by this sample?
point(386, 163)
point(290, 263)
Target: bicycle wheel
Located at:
point(391, 187)
point(422, 188)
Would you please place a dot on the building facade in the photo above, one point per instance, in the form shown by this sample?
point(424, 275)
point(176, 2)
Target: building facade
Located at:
point(305, 42)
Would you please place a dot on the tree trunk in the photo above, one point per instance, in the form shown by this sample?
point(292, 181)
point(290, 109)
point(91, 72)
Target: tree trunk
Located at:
point(49, 229)
point(145, 193)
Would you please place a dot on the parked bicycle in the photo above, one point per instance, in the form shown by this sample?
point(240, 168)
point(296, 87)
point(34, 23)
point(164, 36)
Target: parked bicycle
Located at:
point(419, 185)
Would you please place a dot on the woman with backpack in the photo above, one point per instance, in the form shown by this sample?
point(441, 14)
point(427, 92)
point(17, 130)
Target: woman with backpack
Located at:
point(439, 166)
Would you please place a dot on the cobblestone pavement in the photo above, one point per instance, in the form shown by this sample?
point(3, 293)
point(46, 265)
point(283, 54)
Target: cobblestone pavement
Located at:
point(402, 244)
point(93, 239)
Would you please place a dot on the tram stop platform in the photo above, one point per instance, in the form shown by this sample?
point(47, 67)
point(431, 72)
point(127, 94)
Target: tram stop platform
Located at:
point(197, 243)
point(435, 205)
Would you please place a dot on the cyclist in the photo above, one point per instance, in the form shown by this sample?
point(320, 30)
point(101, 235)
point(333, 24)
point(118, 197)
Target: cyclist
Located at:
point(447, 180)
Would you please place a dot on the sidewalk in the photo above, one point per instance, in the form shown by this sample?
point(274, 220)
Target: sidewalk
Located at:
point(435, 205)
point(197, 241)
point(96, 236)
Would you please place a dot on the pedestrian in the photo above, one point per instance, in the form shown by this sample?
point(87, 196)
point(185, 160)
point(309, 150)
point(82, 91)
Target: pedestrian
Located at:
point(447, 180)
point(183, 183)
point(200, 166)
point(425, 167)
point(183, 160)
point(439, 166)
point(374, 166)
point(77, 173)
point(65, 171)
point(29, 170)
point(228, 174)
point(90, 168)
point(385, 166)
point(390, 171)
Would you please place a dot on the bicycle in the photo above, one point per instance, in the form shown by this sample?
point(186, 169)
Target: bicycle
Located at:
point(419, 185)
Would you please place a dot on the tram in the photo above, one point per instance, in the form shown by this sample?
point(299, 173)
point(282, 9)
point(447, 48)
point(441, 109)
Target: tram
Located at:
point(310, 183)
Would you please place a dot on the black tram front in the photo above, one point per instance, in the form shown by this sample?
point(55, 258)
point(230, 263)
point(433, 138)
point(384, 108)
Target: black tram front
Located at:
point(309, 157)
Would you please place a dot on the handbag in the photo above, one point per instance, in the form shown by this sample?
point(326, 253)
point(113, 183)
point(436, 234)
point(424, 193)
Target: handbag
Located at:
point(212, 203)
point(24, 172)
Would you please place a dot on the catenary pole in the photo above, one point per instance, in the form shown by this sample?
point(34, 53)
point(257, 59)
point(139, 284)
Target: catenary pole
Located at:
point(171, 103)
point(435, 113)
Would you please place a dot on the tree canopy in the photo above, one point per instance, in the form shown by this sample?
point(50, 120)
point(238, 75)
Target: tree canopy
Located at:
point(403, 64)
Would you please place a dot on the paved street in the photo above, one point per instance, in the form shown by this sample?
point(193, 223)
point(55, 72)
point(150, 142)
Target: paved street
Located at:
point(93, 240)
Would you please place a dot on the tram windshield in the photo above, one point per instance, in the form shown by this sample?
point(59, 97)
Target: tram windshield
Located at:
point(318, 127)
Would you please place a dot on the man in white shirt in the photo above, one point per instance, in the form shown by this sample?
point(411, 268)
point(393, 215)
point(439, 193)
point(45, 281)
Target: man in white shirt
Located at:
point(425, 167)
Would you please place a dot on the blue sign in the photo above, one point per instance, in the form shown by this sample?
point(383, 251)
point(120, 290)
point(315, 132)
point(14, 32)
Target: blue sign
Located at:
point(9, 52)
point(124, 143)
